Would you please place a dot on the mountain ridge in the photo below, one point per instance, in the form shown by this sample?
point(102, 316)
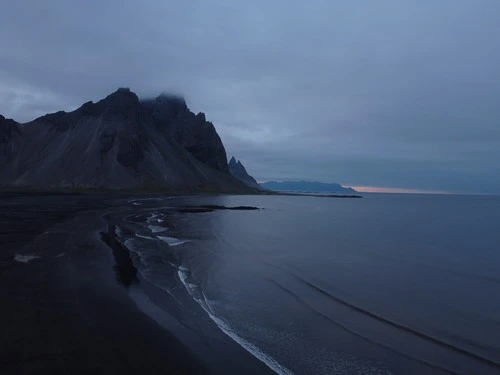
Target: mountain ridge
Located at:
point(119, 142)
point(306, 186)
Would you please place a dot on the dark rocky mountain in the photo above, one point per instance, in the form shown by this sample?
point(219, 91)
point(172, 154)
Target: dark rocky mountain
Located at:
point(119, 142)
point(306, 187)
point(239, 171)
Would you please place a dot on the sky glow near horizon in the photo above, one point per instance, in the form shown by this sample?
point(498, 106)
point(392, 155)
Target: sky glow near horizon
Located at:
point(400, 94)
point(381, 189)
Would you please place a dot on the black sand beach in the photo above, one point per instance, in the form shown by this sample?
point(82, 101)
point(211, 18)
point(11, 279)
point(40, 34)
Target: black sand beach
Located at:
point(69, 310)
point(123, 284)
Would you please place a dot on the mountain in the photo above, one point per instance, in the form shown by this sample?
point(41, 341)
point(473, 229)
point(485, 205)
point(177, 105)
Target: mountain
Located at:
point(238, 171)
point(306, 186)
point(119, 142)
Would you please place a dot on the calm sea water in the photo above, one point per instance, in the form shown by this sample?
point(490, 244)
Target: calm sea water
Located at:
point(404, 284)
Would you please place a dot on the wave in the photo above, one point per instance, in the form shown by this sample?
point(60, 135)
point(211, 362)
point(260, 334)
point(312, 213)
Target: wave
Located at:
point(145, 237)
point(118, 232)
point(392, 323)
point(228, 331)
point(351, 331)
point(152, 220)
point(156, 229)
point(154, 217)
point(172, 241)
point(195, 292)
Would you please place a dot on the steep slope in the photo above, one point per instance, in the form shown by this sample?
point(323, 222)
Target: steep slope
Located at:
point(198, 136)
point(239, 171)
point(118, 142)
point(10, 139)
point(307, 186)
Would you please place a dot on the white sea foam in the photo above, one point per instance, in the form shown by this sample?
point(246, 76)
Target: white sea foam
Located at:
point(25, 258)
point(145, 268)
point(118, 231)
point(172, 241)
point(156, 229)
point(155, 218)
point(146, 237)
point(224, 327)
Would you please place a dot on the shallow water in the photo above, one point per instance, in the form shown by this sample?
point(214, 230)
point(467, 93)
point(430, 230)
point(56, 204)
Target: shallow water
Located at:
point(384, 284)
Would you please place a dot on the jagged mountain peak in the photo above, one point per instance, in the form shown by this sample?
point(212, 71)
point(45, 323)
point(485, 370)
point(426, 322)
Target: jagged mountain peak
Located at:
point(122, 91)
point(122, 102)
point(118, 142)
point(121, 97)
point(237, 164)
point(200, 117)
point(174, 104)
point(7, 121)
point(238, 170)
point(178, 100)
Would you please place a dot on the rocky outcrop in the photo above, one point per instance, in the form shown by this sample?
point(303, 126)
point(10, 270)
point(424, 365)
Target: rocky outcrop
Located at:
point(119, 142)
point(10, 134)
point(238, 170)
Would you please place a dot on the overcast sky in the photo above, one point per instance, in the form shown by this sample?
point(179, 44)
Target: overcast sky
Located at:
point(391, 93)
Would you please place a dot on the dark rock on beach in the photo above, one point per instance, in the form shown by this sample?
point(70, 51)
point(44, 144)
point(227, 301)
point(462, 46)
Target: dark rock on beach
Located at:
point(211, 208)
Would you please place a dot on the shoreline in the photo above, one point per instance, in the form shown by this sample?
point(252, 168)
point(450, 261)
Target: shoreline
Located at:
point(69, 312)
point(319, 195)
point(26, 191)
point(195, 327)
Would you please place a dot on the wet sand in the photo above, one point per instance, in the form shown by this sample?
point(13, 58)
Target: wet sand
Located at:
point(70, 311)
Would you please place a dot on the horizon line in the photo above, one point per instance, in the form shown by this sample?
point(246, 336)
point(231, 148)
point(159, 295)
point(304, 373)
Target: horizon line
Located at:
point(385, 189)
point(376, 189)
point(397, 190)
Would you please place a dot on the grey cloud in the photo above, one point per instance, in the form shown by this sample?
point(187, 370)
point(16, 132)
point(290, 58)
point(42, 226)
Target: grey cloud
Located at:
point(389, 93)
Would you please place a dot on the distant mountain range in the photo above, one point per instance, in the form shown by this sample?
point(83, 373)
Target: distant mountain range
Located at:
point(306, 187)
point(119, 142)
point(238, 171)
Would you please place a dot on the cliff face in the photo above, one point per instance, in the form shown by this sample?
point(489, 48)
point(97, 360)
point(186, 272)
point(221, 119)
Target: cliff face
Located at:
point(238, 171)
point(118, 142)
point(9, 140)
point(193, 132)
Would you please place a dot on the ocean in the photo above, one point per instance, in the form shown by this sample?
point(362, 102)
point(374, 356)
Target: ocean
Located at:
point(386, 284)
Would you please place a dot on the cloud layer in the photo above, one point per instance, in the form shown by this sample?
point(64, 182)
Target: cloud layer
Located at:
point(386, 93)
